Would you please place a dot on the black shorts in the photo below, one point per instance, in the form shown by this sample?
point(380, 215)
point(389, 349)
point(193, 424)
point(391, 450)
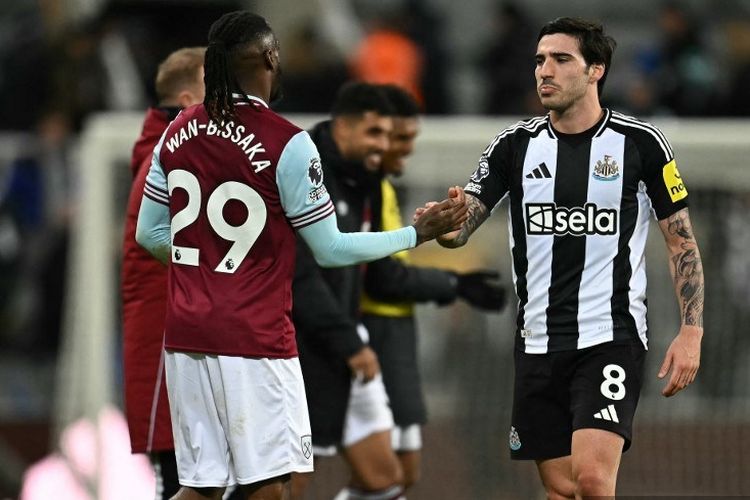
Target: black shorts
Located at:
point(165, 471)
point(560, 392)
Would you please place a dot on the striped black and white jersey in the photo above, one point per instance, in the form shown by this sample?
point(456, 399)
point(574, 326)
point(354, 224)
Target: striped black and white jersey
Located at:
point(578, 220)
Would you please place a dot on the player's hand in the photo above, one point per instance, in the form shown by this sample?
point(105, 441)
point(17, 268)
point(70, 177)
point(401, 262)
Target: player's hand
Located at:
point(482, 290)
point(448, 239)
point(683, 359)
point(364, 364)
point(443, 217)
point(420, 210)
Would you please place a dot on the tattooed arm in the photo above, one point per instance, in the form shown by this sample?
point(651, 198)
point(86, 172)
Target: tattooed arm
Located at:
point(478, 213)
point(683, 355)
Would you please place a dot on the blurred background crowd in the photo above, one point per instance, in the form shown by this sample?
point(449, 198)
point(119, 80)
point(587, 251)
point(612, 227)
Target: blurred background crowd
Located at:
point(61, 61)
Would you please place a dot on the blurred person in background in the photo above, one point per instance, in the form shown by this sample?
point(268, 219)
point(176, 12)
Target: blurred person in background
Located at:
point(425, 24)
point(738, 39)
point(313, 71)
point(236, 393)
point(680, 70)
point(179, 84)
point(35, 188)
point(504, 61)
point(387, 54)
point(393, 285)
point(347, 400)
point(582, 182)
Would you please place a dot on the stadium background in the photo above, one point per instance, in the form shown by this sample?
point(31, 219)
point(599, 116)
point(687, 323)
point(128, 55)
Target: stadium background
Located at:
point(74, 79)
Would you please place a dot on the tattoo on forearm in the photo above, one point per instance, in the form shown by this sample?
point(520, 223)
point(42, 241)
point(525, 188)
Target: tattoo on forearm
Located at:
point(478, 213)
point(687, 269)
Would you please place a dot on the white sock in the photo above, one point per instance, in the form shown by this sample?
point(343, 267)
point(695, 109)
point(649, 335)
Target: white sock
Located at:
point(394, 492)
point(343, 494)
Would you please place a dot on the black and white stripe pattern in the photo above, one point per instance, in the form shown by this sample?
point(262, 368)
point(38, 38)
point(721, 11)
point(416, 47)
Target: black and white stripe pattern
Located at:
point(657, 134)
point(578, 220)
point(530, 125)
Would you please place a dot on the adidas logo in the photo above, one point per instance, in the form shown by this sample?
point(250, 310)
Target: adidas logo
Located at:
point(607, 413)
point(540, 172)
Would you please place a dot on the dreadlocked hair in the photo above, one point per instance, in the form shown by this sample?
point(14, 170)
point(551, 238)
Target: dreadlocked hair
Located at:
point(230, 32)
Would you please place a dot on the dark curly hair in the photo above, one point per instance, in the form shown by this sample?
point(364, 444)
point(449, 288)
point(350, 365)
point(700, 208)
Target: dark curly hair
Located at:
point(230, 32)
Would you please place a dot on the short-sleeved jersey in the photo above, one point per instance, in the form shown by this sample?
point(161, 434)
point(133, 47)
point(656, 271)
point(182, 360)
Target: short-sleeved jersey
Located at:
point(235, 192)
point(579, 209)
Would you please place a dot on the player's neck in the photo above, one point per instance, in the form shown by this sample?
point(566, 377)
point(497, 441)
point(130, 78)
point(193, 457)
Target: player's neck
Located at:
point(578, 118)
point(254, 86)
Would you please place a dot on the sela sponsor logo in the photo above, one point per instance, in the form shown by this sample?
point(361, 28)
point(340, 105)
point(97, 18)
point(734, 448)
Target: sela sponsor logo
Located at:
point(549, 219)
point(606, 170)
point(673, 181)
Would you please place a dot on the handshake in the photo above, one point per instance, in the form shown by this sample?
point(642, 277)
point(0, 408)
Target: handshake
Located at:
point(443, 220)
point(438, 218)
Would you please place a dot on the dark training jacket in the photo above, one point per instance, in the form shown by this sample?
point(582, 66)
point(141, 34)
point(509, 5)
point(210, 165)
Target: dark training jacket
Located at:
point(326, 301)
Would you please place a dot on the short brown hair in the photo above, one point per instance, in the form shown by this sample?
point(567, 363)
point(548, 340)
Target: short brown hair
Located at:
point(179, 70)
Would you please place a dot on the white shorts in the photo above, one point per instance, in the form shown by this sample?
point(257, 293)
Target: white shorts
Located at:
point(368, 411)
point(237, 420)
point(407, 438)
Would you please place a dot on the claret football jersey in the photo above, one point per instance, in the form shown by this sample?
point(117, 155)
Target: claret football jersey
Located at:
point(579, 210)
point(236, 191)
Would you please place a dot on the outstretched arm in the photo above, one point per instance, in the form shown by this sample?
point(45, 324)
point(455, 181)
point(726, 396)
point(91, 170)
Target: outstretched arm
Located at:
point(333, 248)
point(683, 355)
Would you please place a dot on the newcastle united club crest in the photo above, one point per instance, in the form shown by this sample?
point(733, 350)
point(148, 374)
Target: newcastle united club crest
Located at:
point(607, 170)
point(514, 441)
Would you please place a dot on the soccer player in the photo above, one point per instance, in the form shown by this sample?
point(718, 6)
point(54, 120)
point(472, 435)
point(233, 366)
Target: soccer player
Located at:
point(179, 84)
point(347, 415)
point(230, 182)
point(392, 286)
point(581, 183)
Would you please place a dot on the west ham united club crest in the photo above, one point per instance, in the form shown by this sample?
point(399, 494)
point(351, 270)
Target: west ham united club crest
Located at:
point(307, 448)
point(606, 170)
point(514, 441)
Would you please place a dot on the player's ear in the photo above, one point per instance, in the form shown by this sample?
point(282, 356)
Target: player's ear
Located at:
point(596, 72)
point(271, 59)
point(185, 99)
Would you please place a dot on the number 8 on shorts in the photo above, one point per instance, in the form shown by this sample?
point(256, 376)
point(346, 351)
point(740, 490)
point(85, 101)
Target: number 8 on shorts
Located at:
point(612, 387)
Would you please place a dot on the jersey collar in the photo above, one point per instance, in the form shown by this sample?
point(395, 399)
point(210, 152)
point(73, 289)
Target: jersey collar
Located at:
point(246, 97)
point(594, 131)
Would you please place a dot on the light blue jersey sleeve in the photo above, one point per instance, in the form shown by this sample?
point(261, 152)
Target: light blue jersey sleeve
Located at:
point(308, 207)
point(153, 228)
